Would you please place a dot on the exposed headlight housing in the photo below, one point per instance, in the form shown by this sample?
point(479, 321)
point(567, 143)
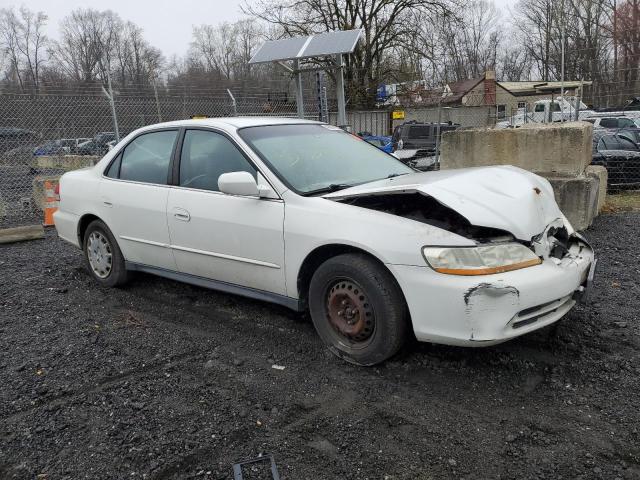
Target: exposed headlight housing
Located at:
point(482, 260)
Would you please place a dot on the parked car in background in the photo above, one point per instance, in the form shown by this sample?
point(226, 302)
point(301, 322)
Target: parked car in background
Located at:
point(304, 215)
point(53, 147)
point(62, 146)
point(98, 145)
point(413, 141)
point(631, 133)
point(382, 142)
point(620, 155)
point(12, 138)
point(613, 122)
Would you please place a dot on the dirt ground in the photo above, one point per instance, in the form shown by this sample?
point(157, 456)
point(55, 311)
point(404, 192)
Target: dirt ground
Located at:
point(162, 380)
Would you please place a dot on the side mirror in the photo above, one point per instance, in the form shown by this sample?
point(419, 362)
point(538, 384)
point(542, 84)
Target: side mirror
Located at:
point(238, 183)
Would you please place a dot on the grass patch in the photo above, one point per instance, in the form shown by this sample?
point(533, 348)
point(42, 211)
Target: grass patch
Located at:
point(622, 202)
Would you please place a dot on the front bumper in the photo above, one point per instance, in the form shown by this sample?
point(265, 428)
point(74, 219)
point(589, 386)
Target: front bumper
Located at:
point(490, 309)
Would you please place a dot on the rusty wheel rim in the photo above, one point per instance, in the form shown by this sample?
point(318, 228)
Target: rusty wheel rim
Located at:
point(349, 311)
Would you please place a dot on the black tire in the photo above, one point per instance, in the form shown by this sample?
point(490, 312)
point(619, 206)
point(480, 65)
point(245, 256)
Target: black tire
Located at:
point(357, 283)
point(117, 273)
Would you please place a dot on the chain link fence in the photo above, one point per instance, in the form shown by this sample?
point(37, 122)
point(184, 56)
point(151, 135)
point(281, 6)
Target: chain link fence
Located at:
point(41, 137)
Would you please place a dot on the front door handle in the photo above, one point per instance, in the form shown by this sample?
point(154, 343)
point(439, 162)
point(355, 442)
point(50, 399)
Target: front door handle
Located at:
point(181, 214)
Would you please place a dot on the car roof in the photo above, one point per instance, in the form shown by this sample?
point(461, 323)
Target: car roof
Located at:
point(236, 122)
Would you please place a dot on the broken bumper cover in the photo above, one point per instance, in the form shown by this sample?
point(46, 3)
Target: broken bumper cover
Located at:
point(490, 309)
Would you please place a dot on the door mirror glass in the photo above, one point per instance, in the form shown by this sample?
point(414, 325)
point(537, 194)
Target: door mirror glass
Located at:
point(238, 183)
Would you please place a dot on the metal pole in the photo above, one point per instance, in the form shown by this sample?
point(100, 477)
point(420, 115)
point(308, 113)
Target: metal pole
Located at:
point(299, 92)
point(342, 110)
point(578, 101)
point(109, 95)
point(438, 132)
point(155, 93)
point(233, 102)
point(562, 66)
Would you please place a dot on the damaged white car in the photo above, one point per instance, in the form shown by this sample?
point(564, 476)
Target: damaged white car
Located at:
point(305, 215)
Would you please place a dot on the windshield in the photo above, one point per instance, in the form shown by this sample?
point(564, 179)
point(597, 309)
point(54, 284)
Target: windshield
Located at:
point(316, 158)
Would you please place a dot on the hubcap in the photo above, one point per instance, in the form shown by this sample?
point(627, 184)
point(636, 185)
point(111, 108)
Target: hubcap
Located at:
point(99, 254)
point(349, 311)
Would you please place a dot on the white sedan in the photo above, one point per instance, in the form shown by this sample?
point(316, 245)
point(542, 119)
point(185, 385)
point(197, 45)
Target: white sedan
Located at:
point(302, 214)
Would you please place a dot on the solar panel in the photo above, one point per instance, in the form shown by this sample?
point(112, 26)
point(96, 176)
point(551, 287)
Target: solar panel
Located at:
point(275, 50)
point(331, 43)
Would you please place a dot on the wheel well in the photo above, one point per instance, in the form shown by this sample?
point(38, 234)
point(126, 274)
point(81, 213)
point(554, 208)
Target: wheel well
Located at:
point(82, 226)
point(316, 258)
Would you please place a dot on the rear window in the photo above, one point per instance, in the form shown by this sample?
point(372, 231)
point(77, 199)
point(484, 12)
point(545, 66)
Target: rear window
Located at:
point(147, 157)
point(420, 131)
point(609, 123)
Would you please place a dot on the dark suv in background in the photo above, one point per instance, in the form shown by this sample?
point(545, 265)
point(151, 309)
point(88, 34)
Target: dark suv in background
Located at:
point(415, 143)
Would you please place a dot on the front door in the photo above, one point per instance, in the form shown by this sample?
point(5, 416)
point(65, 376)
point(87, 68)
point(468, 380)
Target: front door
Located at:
point(233, 239)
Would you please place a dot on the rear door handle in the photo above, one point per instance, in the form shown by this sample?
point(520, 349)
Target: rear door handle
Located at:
point(181, 214)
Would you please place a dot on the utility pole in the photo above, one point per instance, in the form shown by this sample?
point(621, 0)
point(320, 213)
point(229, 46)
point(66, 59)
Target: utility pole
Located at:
point(155, 93)
point(562, 65)
point(109, 95)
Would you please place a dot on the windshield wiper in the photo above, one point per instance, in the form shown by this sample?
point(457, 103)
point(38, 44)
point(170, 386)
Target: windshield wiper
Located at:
point(334, 187)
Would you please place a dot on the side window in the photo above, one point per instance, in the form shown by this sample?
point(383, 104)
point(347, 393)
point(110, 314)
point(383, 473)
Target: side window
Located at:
point(114, 169)
point(146, 159)
point(609, 123)
point(539, 107)
point(625, 123)
point(207, 155)
point(626, 144)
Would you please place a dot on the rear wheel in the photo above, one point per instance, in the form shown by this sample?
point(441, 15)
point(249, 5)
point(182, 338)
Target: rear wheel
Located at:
point(103, 256)
point(358, 309)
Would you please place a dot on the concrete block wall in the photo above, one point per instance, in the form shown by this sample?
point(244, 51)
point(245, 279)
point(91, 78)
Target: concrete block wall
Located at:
point(554, 149)
point(561, 152)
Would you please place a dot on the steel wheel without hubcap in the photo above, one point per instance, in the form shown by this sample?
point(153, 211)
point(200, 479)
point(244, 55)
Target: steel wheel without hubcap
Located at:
point(99, 254)
point(349, 313)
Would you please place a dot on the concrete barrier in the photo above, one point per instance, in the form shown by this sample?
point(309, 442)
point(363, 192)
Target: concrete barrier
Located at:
point(559, 152)
point(64, 162)
point(548, 149)
point(577, 198)
point(599, 172)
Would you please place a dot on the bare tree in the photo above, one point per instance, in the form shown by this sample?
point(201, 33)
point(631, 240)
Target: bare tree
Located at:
point(23, 42)
point(385, 25)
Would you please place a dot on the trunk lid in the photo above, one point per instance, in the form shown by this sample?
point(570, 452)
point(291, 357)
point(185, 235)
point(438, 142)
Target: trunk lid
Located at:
point(503, 197)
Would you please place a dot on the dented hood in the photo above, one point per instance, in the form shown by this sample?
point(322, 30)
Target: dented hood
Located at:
point(504, 197)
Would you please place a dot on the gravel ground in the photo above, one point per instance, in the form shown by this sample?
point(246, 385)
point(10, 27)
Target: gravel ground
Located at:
point(163, 380)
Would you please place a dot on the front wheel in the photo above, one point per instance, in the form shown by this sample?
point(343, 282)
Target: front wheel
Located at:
point(358, 309)
point(103, 256)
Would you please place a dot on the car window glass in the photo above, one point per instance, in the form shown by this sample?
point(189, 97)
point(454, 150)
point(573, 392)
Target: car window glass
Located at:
point(626, 144)
point(539, 108)
point(609, 123)
point(625, 123)
point(147, 158)
point(420, 131)
point(555, 107)
point(114, 168)
point(207, 155)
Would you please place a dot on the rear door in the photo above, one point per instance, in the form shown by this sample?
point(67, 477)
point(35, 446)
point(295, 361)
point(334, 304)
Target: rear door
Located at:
point(232, 239)
point(133, 196)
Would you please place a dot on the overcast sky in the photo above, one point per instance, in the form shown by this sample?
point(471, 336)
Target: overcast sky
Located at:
point(167, 24)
